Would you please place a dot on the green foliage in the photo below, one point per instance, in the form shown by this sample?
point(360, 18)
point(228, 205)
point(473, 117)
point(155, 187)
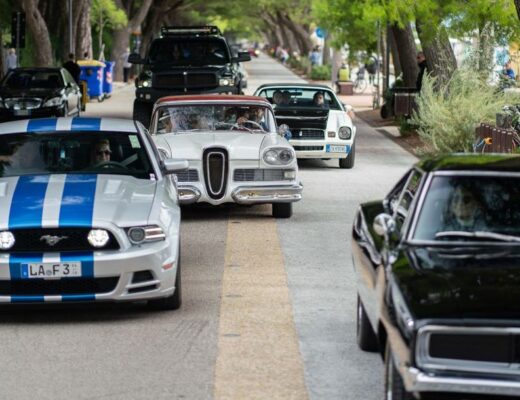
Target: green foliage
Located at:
point(321, 72)
point(301, 64)
point(449, 113)
point(106, 14)
point(406, 127)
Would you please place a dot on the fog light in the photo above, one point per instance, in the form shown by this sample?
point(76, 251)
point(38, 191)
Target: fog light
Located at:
point(224, 82)
point(289, 174)
point(147, 96)
point(6, 240)
point(98, 237)
point(136, 235)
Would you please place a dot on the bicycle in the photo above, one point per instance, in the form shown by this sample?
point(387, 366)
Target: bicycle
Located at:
point(360, 84)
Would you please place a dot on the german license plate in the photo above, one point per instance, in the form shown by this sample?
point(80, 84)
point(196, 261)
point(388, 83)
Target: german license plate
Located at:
point(331, 148)
point(51, 270)
point(21, 113)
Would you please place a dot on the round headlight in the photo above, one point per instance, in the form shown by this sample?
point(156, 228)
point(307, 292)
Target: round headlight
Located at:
point(136, 235)
point(6, 240)
point(285, 156)
point(98, 237)
point(224, 82)
point(344, 133)
point(271, 157)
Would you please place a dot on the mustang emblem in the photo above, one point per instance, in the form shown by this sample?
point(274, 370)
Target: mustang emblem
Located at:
point(52, 240)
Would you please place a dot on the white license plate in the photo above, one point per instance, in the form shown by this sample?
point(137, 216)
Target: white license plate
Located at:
point(22, 112)
point(51, 270)
point(336, 149)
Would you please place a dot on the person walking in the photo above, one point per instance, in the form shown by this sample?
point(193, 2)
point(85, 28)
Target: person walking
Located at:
point(72, 66)
point(421, 62)
point(126, 65)
point(11, 60)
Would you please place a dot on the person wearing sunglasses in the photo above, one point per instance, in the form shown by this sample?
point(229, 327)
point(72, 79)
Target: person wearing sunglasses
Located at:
point(101, 152)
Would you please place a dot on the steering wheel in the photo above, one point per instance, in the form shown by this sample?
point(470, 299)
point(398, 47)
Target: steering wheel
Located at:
point(108, 164)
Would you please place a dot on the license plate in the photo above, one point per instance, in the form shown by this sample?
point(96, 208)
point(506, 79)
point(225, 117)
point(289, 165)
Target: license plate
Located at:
point(21, 112)
point(51, 270)
point(331, 148)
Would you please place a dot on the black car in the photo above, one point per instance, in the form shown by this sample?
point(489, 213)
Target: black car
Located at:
point(437, 264)
point(38, 92)
point(185, 60)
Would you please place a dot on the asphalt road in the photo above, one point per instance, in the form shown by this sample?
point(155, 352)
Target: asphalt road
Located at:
point(269, 306)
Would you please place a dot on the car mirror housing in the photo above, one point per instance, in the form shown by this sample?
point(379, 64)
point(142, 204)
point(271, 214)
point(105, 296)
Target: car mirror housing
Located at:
point(171, 166)
point(243, 56)
point(135, 58)
point(384, 225)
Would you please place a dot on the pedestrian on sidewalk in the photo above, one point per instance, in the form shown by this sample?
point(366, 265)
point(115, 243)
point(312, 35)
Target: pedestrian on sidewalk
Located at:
point(126, 65)
point(72, 66)
point(421, 62)
point(11, 60)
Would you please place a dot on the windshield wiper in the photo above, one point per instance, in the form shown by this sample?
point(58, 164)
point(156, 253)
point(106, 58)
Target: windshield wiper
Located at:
point(479, 235)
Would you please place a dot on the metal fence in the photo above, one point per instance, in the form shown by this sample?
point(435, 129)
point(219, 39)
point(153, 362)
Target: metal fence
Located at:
point(491, 139)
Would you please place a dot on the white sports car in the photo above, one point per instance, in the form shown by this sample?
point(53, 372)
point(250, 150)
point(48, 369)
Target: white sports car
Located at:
point(320, 125)
point(87, 213)
point(235, 153)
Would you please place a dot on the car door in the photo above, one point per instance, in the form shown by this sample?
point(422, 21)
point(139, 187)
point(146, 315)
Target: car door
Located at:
point(72, 92)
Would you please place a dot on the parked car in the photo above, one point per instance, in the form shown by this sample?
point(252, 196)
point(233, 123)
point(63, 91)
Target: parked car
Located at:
point(437, 264)
point(38, 92)
point(319, 128)
point(233, 148)
point(87, 213)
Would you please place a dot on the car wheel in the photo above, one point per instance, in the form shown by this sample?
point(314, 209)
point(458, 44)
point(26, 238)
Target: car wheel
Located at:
point(65, 111)
point(282, 210)
point(366, 337)
point(349, 161)
point(142, 112)
point(394, 385)
point(174, 301)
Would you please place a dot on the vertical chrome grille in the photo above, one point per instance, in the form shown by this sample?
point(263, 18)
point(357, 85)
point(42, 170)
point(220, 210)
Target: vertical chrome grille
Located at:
point(215, 163)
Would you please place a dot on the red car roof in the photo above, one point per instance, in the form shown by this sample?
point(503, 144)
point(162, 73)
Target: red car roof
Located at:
point(216, 97)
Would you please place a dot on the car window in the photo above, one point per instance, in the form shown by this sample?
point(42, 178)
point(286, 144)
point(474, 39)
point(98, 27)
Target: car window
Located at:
point(74, 152)
point(283, 97)
point(189, 51)
point(68, 77)
point(392, 199)
point(407, 197)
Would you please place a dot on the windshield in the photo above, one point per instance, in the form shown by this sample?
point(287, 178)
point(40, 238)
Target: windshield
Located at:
point(189, 51)
point(471, 208)
point(215, 117)
point(33, 80)
point(74, 152)
point(300, 97)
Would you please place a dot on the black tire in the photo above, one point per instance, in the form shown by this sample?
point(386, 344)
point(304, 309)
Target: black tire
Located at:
point(174, 301)
point(142, 112)
point(348, 162)
point(282, 210)
point(394, 386)
point(366, 337)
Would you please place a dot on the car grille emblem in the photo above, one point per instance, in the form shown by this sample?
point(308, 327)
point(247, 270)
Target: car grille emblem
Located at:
point(52, 240)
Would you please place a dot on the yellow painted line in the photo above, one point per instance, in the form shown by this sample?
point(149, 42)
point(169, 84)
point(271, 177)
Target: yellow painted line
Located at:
point(258, 353)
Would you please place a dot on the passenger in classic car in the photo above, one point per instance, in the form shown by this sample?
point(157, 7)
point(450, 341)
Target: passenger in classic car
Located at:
point(277, 97)
point(464, 211)
point(286, 97)
point(319, 100)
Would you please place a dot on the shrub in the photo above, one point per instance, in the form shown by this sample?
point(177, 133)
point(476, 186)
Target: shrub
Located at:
point(448, 113)
point(321, 72)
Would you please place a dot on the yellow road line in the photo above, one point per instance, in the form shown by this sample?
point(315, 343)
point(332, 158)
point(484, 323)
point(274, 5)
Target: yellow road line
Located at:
point(258, 353)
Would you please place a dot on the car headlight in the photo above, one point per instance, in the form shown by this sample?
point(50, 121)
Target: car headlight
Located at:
point(98, 238)
point(142, 234)
point(145, 82)
point(53, 102)
point(345, 133)
point(278, 156)
point(7, 240)
point(225, 82)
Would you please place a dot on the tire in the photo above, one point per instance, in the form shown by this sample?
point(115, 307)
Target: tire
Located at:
point(142, 113)
point(348, 162)
point(394, 386)
point(174, 301)
point(365, 335)
point(282, 210)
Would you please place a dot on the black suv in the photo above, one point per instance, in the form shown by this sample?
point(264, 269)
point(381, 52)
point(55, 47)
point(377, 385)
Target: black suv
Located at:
point(185, 60)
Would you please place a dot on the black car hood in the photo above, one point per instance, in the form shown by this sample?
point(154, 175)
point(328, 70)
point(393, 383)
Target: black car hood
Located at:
point(460, 283)
point(41, 93)
point(165, 68)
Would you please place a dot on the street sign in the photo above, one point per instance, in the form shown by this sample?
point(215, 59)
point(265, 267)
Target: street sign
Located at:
point(321, 33)
point(18, 30)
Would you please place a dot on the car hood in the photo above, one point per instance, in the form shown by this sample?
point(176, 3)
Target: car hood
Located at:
point(75, 200)
point(165, 68)
point(41, 93)
point(460, 283)
point(240, 145)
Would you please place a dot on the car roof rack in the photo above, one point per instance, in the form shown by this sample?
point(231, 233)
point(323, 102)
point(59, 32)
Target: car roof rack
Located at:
point(190, 30)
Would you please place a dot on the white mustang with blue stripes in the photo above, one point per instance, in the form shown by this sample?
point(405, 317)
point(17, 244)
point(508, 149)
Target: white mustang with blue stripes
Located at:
point(87, 212)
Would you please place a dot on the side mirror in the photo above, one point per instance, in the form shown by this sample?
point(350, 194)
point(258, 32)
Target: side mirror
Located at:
point(171, 166)
point(384, 225)
point(135, 58)
point(243, 56)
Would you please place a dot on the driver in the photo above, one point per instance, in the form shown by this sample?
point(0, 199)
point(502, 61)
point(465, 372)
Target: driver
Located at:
point(101, 152)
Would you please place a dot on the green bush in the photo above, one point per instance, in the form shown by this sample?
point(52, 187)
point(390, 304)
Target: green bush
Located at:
point(300, 64)
point(321, 72)
point(448, 113)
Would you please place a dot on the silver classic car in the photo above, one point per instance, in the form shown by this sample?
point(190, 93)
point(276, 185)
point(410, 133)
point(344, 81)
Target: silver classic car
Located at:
point(234, 150)
point(87, 213)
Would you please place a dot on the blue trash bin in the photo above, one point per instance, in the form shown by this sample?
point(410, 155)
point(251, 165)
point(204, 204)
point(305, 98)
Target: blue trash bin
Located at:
point(107, 81)
point(92, 72)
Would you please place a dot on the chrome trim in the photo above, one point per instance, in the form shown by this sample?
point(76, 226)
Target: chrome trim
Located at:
point(477, 173)
point(300, 118)
point(428, 363)
point(267, 194)
point(223, 162)
point(188, 194)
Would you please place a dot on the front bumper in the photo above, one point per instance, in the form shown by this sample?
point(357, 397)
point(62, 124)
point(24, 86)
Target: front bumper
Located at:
point(320, 148)
point(418, 381)
point(7, 114)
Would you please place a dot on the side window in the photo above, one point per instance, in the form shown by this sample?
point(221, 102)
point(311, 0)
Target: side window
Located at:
point(407, 197)
point(392, 199)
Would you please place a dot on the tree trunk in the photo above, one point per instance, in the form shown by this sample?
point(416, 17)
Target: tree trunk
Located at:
point(83, 31)
point(517, 6)
point(326, 51)
point(300, 33)
point(406, 53)
point(40, 34)
point(395, 54)
point(437, 49)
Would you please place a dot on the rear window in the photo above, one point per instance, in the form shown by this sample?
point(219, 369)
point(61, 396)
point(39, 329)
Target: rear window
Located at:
point(300, 98)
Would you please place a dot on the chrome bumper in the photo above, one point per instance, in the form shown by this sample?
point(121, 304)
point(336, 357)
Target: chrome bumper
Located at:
point(418, 381)
point(188, 194)
point(267, 194)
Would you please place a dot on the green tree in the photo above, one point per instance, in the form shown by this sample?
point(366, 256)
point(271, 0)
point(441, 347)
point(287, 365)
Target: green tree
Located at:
point(106, 14)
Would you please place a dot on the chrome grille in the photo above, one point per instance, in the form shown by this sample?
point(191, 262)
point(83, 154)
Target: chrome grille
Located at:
point(308, 134)
point(22, 103)
point(308, 148)
point(215, 164)
point(259, 174)
point(191, 175)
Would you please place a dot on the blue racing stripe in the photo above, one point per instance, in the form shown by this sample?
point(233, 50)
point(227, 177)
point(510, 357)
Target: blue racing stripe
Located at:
point(17, 264)
point(42, 125)
point(27, 299)
point(27, 203)
point(78, 297)
point(87, 262)
point(77, 203)
point(86, 124)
